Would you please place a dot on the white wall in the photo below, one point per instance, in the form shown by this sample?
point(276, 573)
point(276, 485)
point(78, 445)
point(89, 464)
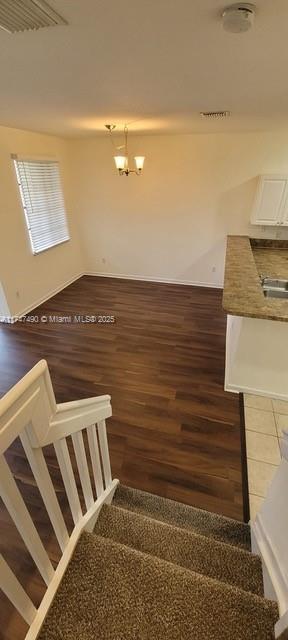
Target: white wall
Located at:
point(170, 223)
point(25, 278)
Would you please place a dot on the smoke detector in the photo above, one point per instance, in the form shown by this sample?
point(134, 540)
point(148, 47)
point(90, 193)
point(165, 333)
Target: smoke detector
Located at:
point(215, 115)
point(239, 17)
point(17, 15)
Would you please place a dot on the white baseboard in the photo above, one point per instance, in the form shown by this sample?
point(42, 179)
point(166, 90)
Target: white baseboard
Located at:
point(125, 276)
point(44, 298)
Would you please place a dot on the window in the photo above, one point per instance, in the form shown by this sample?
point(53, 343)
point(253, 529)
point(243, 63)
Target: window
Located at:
point(43, 203)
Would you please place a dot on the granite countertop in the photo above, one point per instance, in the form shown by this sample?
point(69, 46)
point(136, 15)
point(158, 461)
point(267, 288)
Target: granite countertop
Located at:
point(246, 260)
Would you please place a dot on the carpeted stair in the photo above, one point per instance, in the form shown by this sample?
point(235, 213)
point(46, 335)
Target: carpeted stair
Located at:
point(181, 515)
point(187, 549)
point(155, 569)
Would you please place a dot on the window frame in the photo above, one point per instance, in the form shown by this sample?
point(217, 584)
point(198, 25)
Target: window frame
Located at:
point(39, 159)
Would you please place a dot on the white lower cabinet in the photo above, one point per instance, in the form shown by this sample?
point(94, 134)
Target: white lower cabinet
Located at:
point(257, 357)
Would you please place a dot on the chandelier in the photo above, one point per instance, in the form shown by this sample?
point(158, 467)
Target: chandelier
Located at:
point(122, 161)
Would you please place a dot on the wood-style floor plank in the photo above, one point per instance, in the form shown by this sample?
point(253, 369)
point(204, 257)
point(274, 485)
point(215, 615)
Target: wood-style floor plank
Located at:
point(174, 430)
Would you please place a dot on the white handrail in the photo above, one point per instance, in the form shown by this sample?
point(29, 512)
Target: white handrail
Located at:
point(71, 417)
point(29, 410)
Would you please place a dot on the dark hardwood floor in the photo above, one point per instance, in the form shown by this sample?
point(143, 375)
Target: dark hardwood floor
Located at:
point(174, 431)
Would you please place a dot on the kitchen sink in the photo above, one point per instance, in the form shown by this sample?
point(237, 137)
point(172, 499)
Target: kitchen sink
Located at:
point(274, 287)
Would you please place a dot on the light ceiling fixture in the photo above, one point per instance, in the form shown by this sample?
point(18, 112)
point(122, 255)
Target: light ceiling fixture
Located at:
point(122, 161)
point(239, 17)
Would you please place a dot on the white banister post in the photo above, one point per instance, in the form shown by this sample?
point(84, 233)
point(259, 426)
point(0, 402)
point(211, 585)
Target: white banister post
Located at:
point(41, 474)
point(19, 513)
point(103, 442)
point(15, 592)
point(82, 464)
point(95, 459)
point(63, 457)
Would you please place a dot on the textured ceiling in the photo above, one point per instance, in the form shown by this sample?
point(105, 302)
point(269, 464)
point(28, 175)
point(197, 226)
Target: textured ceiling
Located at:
point(152, 63)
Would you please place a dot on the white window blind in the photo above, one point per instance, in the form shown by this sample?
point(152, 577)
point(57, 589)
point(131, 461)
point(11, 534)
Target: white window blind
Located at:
point(43, 203)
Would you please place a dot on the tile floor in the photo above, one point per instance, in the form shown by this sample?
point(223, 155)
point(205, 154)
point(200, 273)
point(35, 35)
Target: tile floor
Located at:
point(265, 418)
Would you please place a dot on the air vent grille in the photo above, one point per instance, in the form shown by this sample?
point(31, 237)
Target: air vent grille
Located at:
point(215, 115)
point(26, 15)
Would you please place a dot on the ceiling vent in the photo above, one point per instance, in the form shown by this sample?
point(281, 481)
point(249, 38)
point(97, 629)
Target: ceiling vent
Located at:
point(215, 115)
point(26, 15)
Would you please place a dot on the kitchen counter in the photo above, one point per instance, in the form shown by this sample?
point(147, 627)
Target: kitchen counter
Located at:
point(246, 260)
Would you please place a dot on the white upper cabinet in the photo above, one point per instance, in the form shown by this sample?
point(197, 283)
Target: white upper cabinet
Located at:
point(271, 201)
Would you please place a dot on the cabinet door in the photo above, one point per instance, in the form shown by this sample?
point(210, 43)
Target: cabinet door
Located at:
point(270, 200)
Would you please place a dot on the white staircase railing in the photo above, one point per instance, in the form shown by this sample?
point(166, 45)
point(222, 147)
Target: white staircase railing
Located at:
point(29, 410)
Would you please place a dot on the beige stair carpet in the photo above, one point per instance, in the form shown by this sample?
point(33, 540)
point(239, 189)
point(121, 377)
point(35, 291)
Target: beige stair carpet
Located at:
point(185, 548)
point(113, 592)
point(181, 515)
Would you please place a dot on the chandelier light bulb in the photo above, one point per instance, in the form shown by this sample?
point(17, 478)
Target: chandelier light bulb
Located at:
point(139, 162)
point(120, 162)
